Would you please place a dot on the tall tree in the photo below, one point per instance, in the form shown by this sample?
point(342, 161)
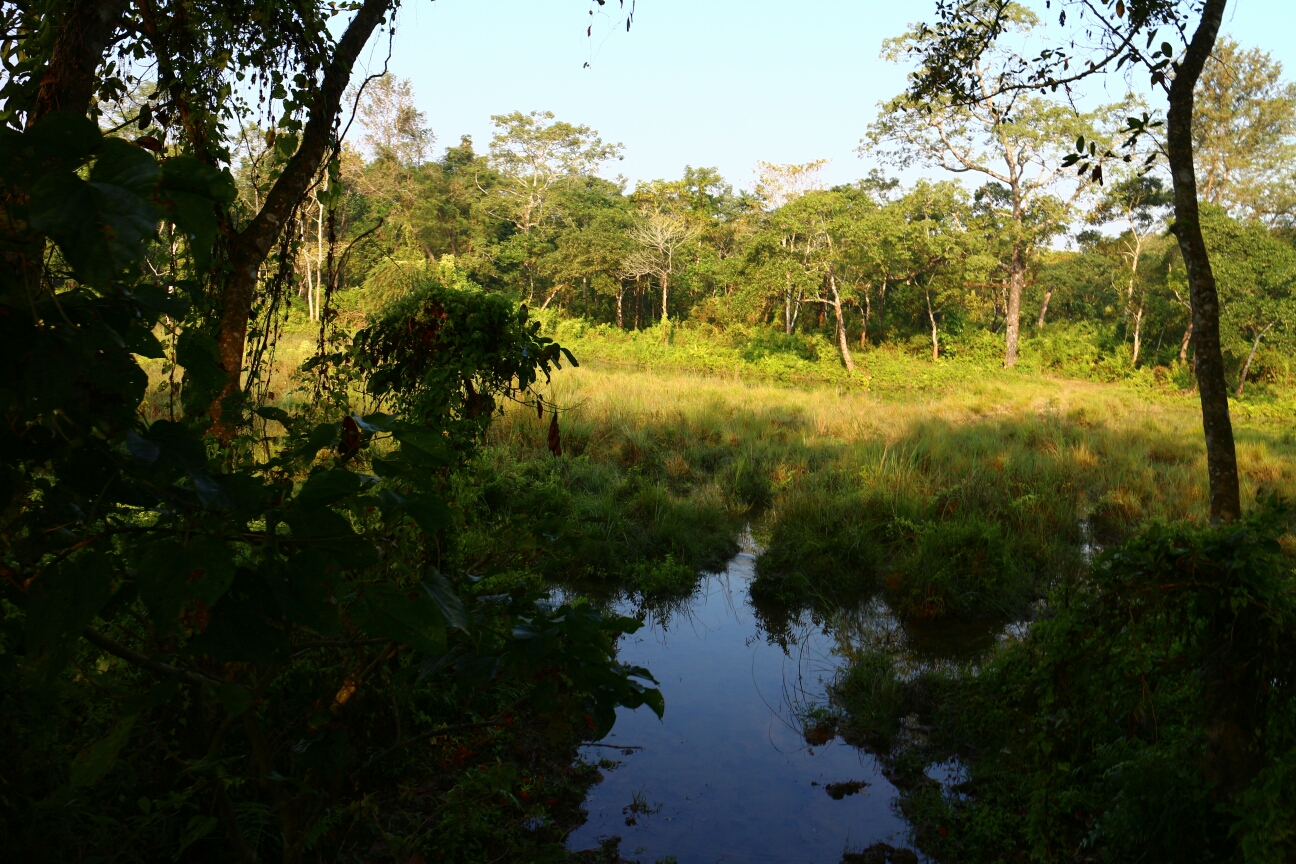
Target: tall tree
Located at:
point(1244, 133)
point(534, 154)
point(1114, 34)
point(1011, 139)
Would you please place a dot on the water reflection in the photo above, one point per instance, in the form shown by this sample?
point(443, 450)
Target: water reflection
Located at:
point(728, 775)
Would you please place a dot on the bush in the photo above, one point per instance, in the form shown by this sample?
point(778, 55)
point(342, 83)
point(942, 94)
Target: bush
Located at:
point(1151, 716)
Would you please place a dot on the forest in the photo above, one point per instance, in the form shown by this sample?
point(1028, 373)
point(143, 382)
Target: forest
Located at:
point(364, 487)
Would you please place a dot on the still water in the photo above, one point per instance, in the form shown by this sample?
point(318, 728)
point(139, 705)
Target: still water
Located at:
point(727, 775)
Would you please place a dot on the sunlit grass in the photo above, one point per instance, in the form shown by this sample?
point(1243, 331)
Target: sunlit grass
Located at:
point(962, 502)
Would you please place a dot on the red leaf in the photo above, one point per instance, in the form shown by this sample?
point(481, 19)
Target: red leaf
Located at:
point(555, 438)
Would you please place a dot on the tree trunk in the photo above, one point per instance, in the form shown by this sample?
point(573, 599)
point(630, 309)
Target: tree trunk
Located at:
point(842, 342)
point(665, 280)
point(882, 292)
point(1048, 295)
point(84, 36)
point(1016, 282)
point(620, 294)
point(1187, 338)
point(1221, 457)
point(932, 318)
point(248, 249)
point(1138, 333)
point(868, 310)
point(1246, 367)
point(787, 306)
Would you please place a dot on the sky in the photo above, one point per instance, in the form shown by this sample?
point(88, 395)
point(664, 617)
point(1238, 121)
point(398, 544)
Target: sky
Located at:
point(714, 83)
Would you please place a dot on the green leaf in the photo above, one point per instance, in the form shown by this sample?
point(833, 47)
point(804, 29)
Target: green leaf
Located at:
point(63, 602)
point(428, 510)
point(165, 300)
point(124, 166)
point(407, 615)
point(142, 342)
point(323, 529)
point(190, 577)
point(94, 762)
point(204, 378)
point(328, 487)
point(306, 590)
point(100, 225)
point(236, 699)
point(443, 595)
point(198, 828)
point(322, 436)
point(241, 627)
point(276, 414)
point(158, 694)
point(64, 136)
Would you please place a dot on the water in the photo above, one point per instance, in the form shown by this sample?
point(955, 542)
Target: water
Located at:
point(727, 775)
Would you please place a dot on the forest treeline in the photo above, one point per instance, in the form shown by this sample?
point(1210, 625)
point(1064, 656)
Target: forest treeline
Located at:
point(927, 266)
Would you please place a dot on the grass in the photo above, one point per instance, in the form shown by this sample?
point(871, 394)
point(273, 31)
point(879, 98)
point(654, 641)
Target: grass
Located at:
point(958, 502)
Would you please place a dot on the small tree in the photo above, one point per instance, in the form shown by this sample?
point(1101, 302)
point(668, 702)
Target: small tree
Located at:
point(1138, 203)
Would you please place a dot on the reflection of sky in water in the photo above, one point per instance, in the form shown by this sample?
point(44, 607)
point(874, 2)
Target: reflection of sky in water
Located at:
point(728, 766)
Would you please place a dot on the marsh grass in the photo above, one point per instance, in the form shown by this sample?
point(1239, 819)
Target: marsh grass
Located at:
point(961, 502)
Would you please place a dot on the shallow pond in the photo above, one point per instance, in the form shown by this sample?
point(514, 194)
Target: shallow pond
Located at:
point(727, 775)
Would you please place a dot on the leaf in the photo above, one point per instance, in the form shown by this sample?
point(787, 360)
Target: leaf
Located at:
point(429, 511)
point(124, 166)
point(555, 438)
point(198, 828)
point(444, 596)
point(433, 450)
point(306, 590)
point(328, 487)
point(142, 449)
point(409, 616)
point(278, 415)
point(241, 628)
point(65, 136)
point(323, 529)
point(571, 358)
point(63, 602)
point(158, 694)
point(236, 699)
point(175, 577)
point(322, 436)
point(204, 378)
point(94, 762)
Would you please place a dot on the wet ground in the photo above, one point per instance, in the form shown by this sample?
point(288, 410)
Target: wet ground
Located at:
point(728, 776)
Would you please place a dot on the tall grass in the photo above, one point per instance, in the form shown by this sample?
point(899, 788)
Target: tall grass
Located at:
point(964, 502)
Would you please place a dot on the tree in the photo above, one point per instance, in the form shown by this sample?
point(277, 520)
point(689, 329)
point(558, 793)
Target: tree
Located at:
point(1257, 279)
point(1111, 35)
point(533, 154)
point(1118, 34)
point(394, 129)
point(1011, 139)
point(658, 236)
point(1137, 202)
point(1244, 123)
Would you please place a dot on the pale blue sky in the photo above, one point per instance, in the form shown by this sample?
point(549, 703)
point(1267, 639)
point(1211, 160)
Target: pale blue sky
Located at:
point(720, 83)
